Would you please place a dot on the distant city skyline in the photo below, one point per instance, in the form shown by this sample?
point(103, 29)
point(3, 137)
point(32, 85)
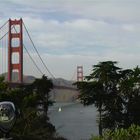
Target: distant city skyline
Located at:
point(68, 33)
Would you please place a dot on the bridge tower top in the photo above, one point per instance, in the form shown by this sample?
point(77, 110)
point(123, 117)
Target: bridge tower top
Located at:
point(15, 35)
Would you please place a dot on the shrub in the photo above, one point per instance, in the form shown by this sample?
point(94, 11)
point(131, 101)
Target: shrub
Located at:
point(132, 133)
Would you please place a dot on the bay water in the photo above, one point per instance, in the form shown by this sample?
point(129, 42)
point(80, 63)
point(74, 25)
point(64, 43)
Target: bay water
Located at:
point(74, 121)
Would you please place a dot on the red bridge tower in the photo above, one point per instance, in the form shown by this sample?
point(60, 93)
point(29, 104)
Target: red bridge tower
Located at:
point(79, 73)
point(17, 49)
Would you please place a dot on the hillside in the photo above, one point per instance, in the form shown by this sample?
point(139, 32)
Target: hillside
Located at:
point(29, 79)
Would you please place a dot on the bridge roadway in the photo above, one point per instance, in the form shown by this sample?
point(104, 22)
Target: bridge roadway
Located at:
point(16, 84)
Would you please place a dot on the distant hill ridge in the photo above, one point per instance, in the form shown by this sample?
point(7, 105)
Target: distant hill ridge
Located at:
point(31, 79)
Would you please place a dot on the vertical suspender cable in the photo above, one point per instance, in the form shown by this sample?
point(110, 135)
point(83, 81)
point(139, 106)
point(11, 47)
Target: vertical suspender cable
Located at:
point(5, 53)
point(2, 55)
point(3, 33)
point(6, 50)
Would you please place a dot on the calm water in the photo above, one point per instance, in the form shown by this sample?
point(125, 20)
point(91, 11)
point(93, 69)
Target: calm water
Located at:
point(74, 122)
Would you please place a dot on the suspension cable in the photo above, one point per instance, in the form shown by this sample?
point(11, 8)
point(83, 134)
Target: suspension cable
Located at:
point(37, 51)
point(4, 35)
point(33, 60)
point(30, 55)
point(3, 25)
point(23, 46)
point(73, 76)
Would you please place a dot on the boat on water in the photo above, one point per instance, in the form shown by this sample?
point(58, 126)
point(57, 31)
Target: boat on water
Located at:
point(60, 109)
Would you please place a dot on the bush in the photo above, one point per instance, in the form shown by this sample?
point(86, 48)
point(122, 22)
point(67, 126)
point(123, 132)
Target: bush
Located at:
point(132, 133)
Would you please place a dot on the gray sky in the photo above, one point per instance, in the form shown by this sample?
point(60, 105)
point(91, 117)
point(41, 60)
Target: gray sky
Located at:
point(68, 33)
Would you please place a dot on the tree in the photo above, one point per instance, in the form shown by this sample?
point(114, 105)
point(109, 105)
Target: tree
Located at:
point(92, 93)
point(130, 93)
point(31, 125)
point(42, 88)
point(115, 93)
point(100, 89)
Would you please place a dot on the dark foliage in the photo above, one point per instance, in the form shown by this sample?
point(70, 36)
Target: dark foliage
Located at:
point(32, 121)
point(115, 93)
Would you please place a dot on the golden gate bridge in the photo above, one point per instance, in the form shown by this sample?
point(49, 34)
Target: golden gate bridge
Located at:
point(12, 48)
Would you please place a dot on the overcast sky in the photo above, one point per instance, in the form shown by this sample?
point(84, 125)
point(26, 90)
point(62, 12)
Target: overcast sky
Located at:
point(68, 33)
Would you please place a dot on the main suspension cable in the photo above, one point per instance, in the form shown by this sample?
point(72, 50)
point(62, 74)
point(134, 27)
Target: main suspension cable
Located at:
point(33, 60)
point(4, 35)
point(3, 25)
point(37, 51)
